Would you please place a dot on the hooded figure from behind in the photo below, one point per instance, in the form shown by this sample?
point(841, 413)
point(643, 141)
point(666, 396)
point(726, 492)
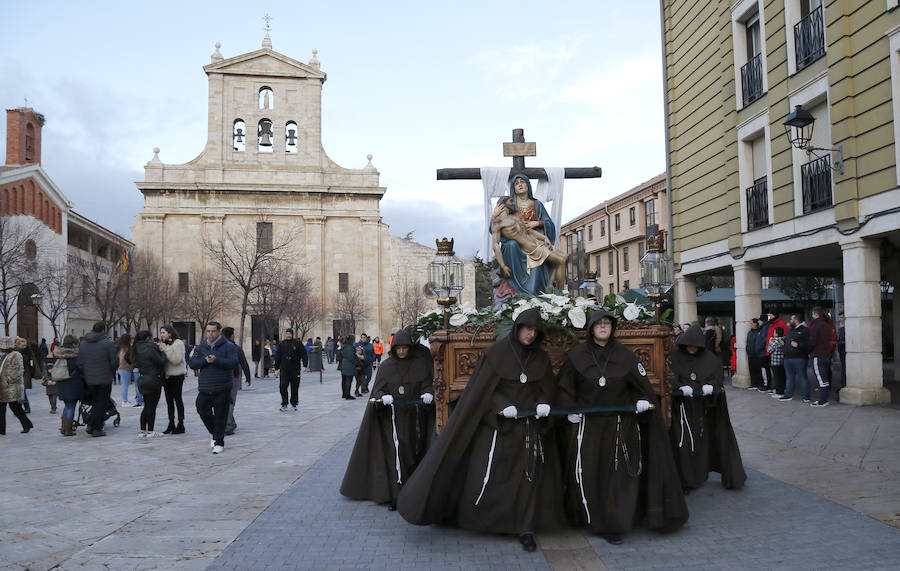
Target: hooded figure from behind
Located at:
point(396, 428)
point(490, 472)
point(619, 468)
point(702, 437)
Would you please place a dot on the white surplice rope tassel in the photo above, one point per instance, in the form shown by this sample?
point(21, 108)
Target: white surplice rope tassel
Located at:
point(578, 469)
point(396, 444)
point(487, 472)
point(685, 423)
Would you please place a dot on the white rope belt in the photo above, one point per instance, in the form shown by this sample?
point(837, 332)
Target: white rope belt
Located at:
point(487, 473)
point(685, 423)
point(578, 469)
point(396, 444)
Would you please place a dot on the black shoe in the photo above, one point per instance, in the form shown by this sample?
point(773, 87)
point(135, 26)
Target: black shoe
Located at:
point(179, 429)
point(169, 429)
point(357, 394)
point(100, 432)
point(88, 430)
point(612, 538)
point(364, 391)
point(528, 542)
point(392, 507)
point(351, 398)
point(229, 432)
point(26, 429)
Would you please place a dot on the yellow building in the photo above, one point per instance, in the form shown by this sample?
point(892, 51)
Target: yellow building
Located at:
point(611, 238)
point(744, 200)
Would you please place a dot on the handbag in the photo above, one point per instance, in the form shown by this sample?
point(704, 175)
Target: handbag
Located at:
point(149, 383)
point(60, 370)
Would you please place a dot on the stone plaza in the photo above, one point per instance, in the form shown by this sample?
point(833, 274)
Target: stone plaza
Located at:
point(822, 493)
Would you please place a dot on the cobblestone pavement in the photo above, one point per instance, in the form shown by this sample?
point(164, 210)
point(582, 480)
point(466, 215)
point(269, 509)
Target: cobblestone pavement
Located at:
point(822, 493)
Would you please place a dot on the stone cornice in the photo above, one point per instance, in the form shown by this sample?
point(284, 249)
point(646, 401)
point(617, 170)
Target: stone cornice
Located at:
point(153, 186)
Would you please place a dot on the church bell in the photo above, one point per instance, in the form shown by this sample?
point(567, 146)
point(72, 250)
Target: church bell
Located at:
point(265, 133)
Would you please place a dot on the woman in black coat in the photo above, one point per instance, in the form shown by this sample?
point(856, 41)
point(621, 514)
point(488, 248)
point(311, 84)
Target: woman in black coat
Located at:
point(149, 360)
point(69, 390)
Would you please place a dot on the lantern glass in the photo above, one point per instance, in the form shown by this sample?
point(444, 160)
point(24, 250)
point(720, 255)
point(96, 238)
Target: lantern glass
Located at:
point(447, 275)
point(656, 272)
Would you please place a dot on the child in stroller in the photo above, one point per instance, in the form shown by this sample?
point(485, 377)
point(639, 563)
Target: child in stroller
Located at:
point(85, 407)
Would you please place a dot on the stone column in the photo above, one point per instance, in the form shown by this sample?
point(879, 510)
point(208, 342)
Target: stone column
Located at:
point(153, 234)
point(862, 311)
point(747, 305)
point(316, 253)
point(892, 271)
point(685, 299)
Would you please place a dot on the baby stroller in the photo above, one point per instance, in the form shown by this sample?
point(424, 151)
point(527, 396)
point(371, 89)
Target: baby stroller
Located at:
point(85, 407)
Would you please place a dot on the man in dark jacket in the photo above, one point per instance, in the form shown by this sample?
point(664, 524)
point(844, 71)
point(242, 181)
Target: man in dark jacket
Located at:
point(291, 353)
point(97, 360)
point(796, 355)
point(753, 361)
point(820, 354)
point(215, 358)
point(369, 353)
point(760, 345)
point(242, 367)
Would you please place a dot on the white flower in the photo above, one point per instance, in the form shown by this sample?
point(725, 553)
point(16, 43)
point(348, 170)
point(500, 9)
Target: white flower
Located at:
point(468, 308)
point(517, 311)
point(577, 316)
point(522, 301)
point(620, 300)
point(458, 319)
point(582, 301)
point(631, 312)
point(545, 316)
point(555, 309)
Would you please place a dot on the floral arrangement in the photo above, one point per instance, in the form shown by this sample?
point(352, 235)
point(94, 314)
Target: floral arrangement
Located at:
point(557, 310)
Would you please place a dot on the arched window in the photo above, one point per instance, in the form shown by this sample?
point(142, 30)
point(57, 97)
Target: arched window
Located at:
point(29, 141)
point(266, 98)
point(4, 205)
point(239, 134)
point(290, 137)
point(264, 136)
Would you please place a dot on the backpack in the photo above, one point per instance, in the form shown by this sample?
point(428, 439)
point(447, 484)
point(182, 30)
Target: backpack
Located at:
point(60, 370)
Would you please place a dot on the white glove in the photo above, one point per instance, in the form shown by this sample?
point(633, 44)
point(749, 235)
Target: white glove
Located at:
point(707, 389)
point(574, 418)
point(510, 412)
point(687, 391)
point(542, 410)
point(642, 405)
point(387, 400)
point(427, 398)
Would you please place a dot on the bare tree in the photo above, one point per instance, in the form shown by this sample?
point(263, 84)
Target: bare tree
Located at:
point(19, 241)
point(268, 300)
point(59, 287)
point(104, 288)
point(149, 294)
point(242, 253)
point(302, 309)
point(207, 297)
point(350, 307)
point(409, 299)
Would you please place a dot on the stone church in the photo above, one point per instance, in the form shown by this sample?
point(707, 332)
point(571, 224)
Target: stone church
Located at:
point(264, 169)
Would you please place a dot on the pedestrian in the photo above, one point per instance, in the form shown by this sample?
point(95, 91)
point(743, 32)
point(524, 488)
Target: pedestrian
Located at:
point(12, 384)
point(349, 365)
point(842, 347)
point(330, 346)
point(69, 382)
point(773, 322)
point(378, 347)
point(495, 467)
point(54, 344)
point(753, 362)
point(775, 348)
point(256, 355)
point(677, 332)
point(172, 347)
point(30, 368)
point(760, 346)
point(701, 434)
point(712, 335)
point(98, 360)
point(289, 358)
point(126, 372)
point(796, 357)
point(368, 361)
point(150, 361)
point(241, 367)
point(820, 354)
point(396, 428)
point(733, 363)
point(216, 359)
point(267, 358)
point(619, 464)
point(45, 351)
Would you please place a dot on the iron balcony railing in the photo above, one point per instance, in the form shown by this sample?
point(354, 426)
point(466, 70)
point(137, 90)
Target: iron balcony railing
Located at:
point(809, 38)
point(816, 177)
point(752, 79)
point(758, 205)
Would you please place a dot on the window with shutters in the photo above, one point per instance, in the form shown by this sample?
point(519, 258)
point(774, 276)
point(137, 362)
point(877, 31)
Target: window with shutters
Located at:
point(183, 282)
point(264, 236)
point(343, 282)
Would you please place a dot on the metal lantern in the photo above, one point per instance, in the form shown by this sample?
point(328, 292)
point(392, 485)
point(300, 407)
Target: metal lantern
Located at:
point(799, 127)
point(589, 287)
point(447, 274)
point(37, 299)
point(656, 271)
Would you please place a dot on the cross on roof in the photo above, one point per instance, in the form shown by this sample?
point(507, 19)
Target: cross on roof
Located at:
point(268, 19)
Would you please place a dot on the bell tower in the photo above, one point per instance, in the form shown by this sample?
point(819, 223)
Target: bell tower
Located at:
point(23, 136)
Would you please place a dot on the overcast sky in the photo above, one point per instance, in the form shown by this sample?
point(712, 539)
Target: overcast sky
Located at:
point(419, 85)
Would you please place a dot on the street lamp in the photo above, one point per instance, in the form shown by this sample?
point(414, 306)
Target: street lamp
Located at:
point(590, 288)
point(798, 126)
point(656, 271)
point(447, 275)
point(37, 299)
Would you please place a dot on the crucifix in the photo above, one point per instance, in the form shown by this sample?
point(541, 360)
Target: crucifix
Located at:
point(518, 149)
point(268, 19)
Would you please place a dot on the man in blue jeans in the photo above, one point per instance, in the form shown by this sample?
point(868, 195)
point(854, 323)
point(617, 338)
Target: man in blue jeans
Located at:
point(216, 358)
point(796, 357)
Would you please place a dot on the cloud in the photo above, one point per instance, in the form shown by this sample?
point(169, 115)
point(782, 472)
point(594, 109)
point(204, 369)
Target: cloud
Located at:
point(430, 219)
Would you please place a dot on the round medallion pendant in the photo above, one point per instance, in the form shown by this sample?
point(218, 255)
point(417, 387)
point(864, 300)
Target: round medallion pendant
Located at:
point(693, 376)
point(523, 378)
point(401, 390)
point(601, 381)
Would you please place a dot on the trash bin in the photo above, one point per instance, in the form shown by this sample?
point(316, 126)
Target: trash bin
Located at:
point(315, 359)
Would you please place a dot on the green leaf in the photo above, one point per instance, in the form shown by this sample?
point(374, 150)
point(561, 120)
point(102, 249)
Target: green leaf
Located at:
point(502, 328)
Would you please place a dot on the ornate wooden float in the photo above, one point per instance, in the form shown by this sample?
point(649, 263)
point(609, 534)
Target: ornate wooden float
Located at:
point(457, 353)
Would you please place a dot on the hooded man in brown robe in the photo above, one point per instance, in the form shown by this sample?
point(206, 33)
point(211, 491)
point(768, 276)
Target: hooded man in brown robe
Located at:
point(397, 426)
point(495, 468)
point(619, 468)
point(702, 437)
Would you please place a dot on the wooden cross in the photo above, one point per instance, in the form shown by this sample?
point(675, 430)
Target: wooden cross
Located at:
point(518, 149)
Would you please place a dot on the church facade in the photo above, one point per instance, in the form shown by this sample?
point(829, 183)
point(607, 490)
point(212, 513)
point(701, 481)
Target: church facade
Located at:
point(265, 174)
